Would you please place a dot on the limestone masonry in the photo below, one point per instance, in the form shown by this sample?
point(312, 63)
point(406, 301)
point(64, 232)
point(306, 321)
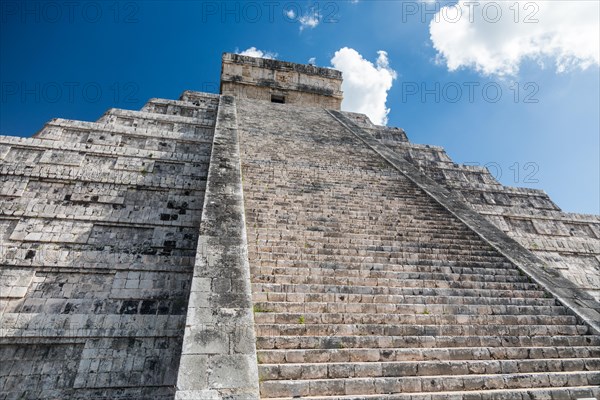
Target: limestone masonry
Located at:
point(264, 244)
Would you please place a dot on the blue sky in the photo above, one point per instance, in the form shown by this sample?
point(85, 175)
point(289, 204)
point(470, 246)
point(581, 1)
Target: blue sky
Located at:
point(58, 60)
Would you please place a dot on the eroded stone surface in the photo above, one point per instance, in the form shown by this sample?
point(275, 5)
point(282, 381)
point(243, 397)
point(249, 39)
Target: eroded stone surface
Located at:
point(219, 333)
point(100, 224)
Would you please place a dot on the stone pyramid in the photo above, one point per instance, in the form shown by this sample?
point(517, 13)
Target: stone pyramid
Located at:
point(261, 243)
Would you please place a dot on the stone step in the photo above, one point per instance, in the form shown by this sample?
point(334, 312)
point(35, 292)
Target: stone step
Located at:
point(410, 319)
point(305, 275)
point(426, 217)
point(113, 133)
point(288, 190)
point(399, 299)
point(447, 240)
point(434, 383)
point(385, 238)
point(397, 245)
point(348, 205)
point(353, 355)
point(421, 342)
point(400, 231)
point(418, 259)
point(408, 252)
point(277, 191)
point(410, 258)
point(443, 309)
point(71, 146)
point(396, 225)
point(562, 393)
point(393, 234)
point(406, 282)
point(397, 291)
point(400, 247)
point(269, 372)
point(153, 120)
point(108, 176)
point(361, 268)
point(396, 231)
point(300, 329)
point(158, 215)
point(390, 225)
point(180, 108)
point(358, 232)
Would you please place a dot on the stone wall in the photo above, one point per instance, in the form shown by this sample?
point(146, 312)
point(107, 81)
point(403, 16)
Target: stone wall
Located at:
point(99, 225)
point(260, 79)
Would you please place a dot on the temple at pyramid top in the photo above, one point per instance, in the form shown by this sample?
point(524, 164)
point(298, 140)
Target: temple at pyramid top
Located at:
point(280, 81)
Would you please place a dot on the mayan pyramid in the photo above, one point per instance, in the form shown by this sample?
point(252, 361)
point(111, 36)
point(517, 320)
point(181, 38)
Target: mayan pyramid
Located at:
point(262, 243)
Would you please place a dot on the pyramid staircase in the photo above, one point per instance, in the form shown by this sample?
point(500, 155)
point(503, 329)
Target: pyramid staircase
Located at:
point(365, 287)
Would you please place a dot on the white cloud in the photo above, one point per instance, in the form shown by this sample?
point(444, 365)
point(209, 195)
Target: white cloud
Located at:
point(312, 61)
point(366, 85)
point(311, 20)
point(254, 52)
point(477, 36)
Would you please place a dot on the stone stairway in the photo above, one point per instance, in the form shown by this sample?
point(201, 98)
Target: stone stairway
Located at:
point(568, 243)
point(364, 287)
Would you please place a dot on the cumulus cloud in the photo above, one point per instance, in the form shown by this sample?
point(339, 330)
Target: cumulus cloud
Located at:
point(366, 85)
point(311, 20)
point(254, 52)
point(312, 61)
point(495, 37)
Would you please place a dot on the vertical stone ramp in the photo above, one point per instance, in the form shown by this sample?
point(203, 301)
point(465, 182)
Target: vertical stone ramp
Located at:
point(365, 287)
point(218, 359)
